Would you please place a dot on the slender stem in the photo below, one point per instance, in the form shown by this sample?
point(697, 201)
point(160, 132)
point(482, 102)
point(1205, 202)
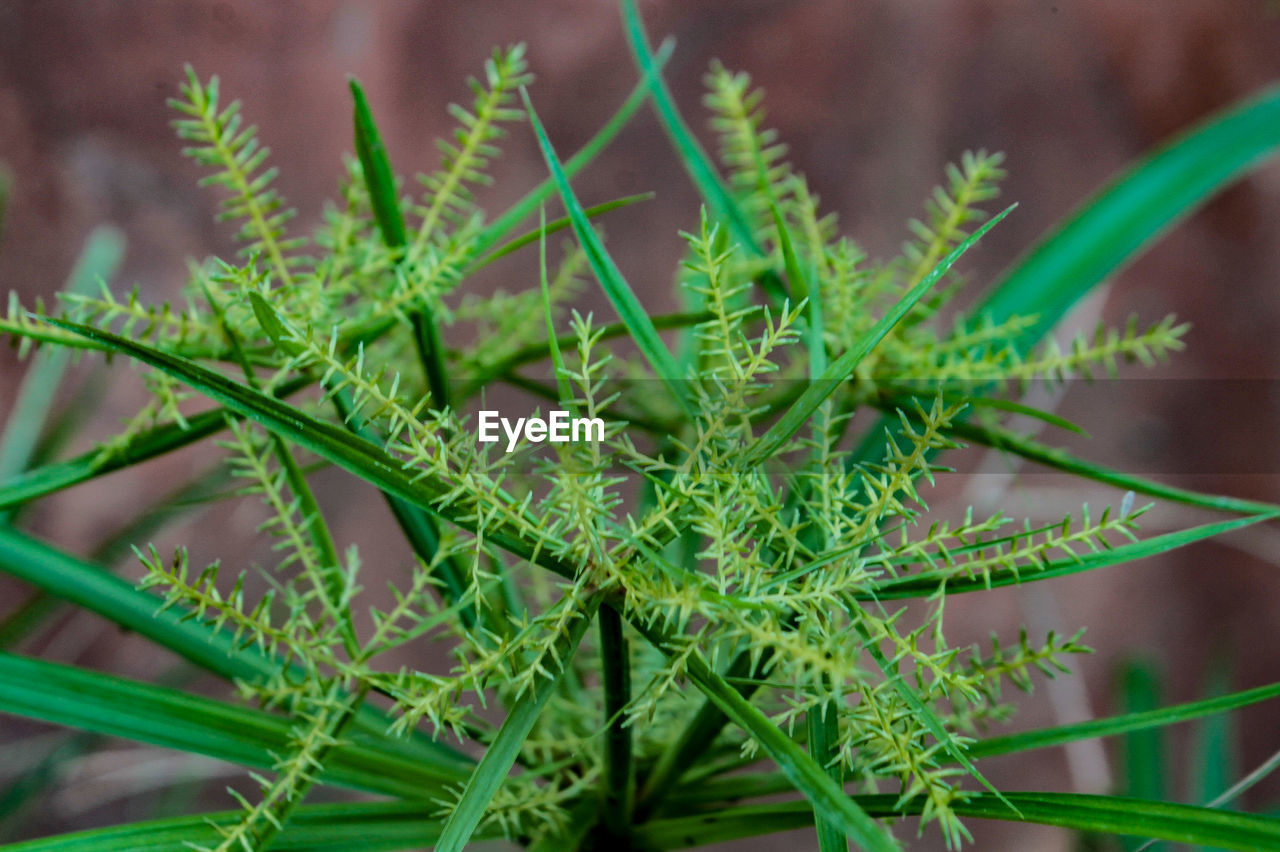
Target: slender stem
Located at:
point(619, 791)
point(426, 337)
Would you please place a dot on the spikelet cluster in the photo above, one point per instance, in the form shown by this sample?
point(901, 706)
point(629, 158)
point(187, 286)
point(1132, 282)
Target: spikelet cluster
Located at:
point(783, 571)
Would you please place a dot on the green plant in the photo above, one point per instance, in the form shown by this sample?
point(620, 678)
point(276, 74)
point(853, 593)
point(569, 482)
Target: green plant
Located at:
point(654, 617)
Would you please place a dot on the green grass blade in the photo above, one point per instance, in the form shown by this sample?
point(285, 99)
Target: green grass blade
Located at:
point(501, 754)
point(1122, 724)
point(426, 337)
point(1238, 789)
point(367, 826)
point(1082, 812)
point(114, 549)
point(767, 784)
point(1003, 439)
point(695, 160)
point(697, 736)
point(1118, 222)
point(927, 582)
point(823, 726)
point(101, 592)
point(19, 800)
point(795, 274)
point(798, 278)
point(1113, 226)
point(764, 784)
point(606, 271)
point(558, 225)
point(376, 167)
point(1144, 764)
point(48, 479)
point(526, 206)
point(824, 795)
point(170, 718)
point(1213, 758)
point(98, 262)
point(380, 180)
point(1137, 817)
point(96, 590)
point(840, 369)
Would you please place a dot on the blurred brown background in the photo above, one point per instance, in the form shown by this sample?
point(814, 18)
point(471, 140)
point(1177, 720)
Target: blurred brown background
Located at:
point(873, 97)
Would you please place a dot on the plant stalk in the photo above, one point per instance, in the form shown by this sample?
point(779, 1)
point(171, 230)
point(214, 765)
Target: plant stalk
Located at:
point(619, 790)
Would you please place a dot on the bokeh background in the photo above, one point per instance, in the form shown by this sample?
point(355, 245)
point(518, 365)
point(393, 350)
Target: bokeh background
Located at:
point(873, 98)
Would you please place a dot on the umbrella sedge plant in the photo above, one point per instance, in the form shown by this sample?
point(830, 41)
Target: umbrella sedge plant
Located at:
point(735, 589)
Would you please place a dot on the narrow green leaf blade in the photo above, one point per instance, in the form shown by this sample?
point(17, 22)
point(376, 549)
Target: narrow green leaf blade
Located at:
point(376, 167)
point(606, 271)
point(1113, 226)
point(696, 162)
point(798, 278)
point(1135, 817)
point(381, 183)
point(96, 590)
point(927, 582)
point(823, 735)
point(170, 718)
point(840, 369)
point(764, 784)
point(1121, 724)
point(50, 478)
point(367, 826)
point(553, 345)
point(100, 591)
point(1082, 812)
point(618, 789)
point(98, 262)
point(1144, 765)
point(1213, 761)
point(1027, 448)
point(1118, 222)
